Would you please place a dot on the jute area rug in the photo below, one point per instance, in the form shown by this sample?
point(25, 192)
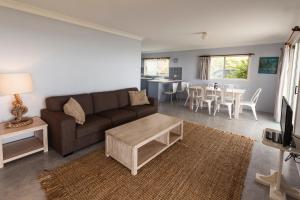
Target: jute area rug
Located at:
point(207, 164)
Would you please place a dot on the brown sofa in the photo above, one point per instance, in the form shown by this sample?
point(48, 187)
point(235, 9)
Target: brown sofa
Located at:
point(103, 110)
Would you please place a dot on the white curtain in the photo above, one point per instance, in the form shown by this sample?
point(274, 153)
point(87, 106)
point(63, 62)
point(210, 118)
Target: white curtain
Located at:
point(204, 63)
point(285, 88)
point(282, 86)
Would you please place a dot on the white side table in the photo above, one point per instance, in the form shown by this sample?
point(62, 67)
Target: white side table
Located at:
point(278, 187)
point(21, 148)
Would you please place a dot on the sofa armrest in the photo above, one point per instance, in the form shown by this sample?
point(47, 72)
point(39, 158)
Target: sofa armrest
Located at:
point(62, 129)
point(153, 102)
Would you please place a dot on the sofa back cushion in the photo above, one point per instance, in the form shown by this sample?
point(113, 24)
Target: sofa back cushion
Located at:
point(123, 96)
point(105, 101)
point(56, 103)
point(74, 109)
point(138, 98)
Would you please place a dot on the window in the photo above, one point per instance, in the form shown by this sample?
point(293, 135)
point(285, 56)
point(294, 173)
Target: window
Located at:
point(156, 67)
point(229, 67)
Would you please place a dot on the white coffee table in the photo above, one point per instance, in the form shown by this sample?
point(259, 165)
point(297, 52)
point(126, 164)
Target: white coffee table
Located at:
point(136, 143)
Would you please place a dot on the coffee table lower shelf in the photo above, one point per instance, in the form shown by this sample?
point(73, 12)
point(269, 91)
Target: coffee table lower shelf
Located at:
point(149, 151)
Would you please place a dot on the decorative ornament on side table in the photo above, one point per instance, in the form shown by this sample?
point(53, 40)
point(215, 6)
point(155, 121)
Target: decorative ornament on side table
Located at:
point(18, 110)
point(16, 84)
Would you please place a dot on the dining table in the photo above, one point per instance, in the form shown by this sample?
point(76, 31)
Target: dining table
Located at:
point(238, 93)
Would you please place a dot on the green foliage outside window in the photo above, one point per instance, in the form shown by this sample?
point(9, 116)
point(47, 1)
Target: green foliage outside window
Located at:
point(237, 68)
point(229, 67)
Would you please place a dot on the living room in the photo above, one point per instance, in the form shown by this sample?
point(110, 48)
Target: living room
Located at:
point(149, 100)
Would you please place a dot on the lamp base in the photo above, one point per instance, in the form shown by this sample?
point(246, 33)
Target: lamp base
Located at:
point(16, 124)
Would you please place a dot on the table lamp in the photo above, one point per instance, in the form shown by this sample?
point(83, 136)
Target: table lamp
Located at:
point(16, 84)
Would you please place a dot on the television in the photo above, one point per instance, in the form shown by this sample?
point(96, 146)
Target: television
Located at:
point(286, 122)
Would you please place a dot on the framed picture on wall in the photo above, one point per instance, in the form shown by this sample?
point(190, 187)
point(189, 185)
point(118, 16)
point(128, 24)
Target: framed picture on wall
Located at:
point(268, 65)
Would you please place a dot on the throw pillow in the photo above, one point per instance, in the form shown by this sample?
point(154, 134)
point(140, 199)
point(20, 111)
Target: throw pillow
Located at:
point(74, 109)
point(138, 98)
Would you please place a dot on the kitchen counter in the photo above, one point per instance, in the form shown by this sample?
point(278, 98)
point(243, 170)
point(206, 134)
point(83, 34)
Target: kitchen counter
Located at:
point(156, 88)
point(164, 81)
point(146, 78)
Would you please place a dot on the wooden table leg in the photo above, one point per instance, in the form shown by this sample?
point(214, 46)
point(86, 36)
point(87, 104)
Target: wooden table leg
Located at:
point(181, 131)
point(134, 161)
point(45, 139)
point(278, 181)
point(106, 145)
point(192, 99)
point(278, 187)
point(237, 105)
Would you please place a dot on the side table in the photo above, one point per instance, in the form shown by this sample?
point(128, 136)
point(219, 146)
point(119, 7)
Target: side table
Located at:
point(24, 147)
point(278, 187)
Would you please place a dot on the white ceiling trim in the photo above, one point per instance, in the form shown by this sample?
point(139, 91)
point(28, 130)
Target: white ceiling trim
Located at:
point(210, 47)
point(24, 7)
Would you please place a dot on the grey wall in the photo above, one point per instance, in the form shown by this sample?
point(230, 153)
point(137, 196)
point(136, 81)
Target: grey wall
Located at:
point(63, 58)
point(188, 60)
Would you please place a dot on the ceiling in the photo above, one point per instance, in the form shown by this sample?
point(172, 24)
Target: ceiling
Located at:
point(167, 25)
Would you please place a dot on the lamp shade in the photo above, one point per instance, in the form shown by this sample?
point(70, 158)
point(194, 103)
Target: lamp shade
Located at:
point(15, 83)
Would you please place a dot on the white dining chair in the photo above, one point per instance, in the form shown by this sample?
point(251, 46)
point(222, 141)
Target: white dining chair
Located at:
point(228, 95)
point(182, 89)
point(172, 91)
point(223, 101)
point(189, 94)
point(228, 86)
point(211, 92)
point(198, 97)
point(218, 85)
point(205, 96)
point(252, 102)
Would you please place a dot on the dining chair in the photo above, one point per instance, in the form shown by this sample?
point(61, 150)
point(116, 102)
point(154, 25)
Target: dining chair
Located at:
point(228, 95)
point(219, 85)
point(228, 86)
point(189, 93)
point(198, 97)
point(205, 96)
point(228, 102)
point(252, 102)
point(183, 88)
point(172, 91)
point(211, 92)
point(210, 85)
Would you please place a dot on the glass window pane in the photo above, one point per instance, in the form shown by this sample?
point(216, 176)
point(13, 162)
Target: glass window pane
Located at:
point(156, 67)
point(216, 67)
point(236, 67)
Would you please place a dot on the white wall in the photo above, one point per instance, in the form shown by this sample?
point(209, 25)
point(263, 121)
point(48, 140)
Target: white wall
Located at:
point(188, 60)
point(63, 58)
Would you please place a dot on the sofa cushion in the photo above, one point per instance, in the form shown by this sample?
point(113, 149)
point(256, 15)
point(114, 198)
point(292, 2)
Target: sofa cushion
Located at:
point(123, 97)
point(56, 103)
point(142, 110)
point(73, 108)
point(105, 101)
point(93, 124)
point(138, 98)
point(119, 116)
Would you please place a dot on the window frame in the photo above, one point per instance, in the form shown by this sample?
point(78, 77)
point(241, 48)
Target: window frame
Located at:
point(232, 55)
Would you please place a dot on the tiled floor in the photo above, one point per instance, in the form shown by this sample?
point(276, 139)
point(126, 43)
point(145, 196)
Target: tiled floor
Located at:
point(18, 180)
